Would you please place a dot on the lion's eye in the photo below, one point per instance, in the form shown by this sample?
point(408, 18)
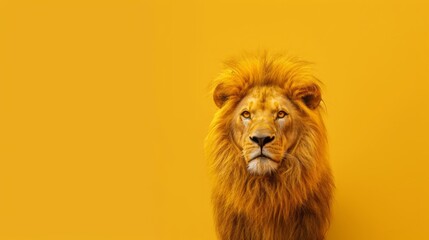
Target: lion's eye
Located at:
point(245, 114)
point(281, 114)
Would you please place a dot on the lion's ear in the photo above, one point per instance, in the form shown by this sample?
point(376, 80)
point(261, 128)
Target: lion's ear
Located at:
point(221, 94)
point(310, 95)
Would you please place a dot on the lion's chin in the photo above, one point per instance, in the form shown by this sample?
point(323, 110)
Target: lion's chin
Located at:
point(261, 166)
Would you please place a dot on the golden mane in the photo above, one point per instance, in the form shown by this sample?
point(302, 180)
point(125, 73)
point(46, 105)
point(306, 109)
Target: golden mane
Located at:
point(293, 203)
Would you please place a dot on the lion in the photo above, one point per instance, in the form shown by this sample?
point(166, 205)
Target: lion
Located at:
point(267, 149)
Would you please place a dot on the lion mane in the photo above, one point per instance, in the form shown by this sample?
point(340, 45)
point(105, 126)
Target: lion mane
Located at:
point(293, 202)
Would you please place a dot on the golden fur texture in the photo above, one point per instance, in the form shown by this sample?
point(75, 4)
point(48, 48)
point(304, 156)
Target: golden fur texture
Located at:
point(286, 191)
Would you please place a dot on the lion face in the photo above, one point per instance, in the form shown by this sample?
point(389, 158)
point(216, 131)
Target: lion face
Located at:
point(263, 128)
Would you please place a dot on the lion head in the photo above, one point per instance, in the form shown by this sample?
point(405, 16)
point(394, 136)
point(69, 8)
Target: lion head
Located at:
point(267, 148)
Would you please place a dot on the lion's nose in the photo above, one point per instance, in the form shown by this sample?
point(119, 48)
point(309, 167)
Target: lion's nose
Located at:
point(262, 140)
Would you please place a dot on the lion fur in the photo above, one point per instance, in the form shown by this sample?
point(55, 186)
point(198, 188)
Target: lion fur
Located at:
point(292, 203)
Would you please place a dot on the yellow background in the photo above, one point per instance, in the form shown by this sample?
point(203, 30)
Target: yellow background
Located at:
point(104, 107)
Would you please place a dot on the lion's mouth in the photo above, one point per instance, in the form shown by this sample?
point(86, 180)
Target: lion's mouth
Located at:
point(262, 157)
point(262, 164)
